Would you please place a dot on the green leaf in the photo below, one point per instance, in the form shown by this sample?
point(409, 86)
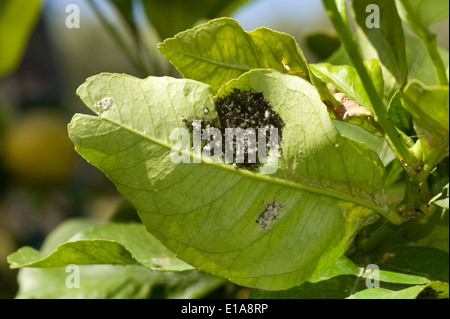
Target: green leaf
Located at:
point(418, 247)
point(338, 287)
point(122, 244)
point(385, 42)
point(442, 198)
point(17, 20)
point(376, 143)
point(399, 116)
point(347, 80)
point(420, 66)
point(419, 14)
point(124, 213)
point(114, 282)
point(65, 231)
point(206, 212)
point(213, 53)
point(379, 238)
point(221, 50)
point(342, 266)
point(322, 45)
point(435, 115)
point(429, 108)
point(107, 281)
point(339, 57)
point(429, 232)
point(343, 279)
point(281, 52)
point(172, 16)
point(438, 182)
point(426, 262)
point(434, 290)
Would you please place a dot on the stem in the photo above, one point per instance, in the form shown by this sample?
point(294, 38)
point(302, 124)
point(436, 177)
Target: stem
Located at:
point(411, 199)
point(429, 39)
point(398, 146)
point(116, 36)
point(342, 8)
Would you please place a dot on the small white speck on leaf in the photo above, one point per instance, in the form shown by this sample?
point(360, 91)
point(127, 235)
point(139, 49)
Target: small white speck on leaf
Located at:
point(286, 66)
point(161, 262)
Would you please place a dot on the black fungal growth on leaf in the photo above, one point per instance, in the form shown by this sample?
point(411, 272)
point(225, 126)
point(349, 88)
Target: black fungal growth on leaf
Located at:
point(244, 110)
point(269, 214)
point(247, 109)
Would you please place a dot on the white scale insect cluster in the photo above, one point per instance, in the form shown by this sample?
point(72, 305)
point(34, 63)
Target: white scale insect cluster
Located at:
point(269, 214)
point(104, 104)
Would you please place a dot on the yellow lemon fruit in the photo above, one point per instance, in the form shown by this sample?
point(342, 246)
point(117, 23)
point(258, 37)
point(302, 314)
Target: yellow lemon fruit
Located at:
point(37, 150)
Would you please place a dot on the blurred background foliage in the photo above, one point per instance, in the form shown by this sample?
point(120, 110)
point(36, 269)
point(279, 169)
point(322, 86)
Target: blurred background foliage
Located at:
point(42, 62)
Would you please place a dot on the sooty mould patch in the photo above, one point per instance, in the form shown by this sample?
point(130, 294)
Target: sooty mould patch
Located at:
point(269, 214)
point(246, 109)
point(242, 109)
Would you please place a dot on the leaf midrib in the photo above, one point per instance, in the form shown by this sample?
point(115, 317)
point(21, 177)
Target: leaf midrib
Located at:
point(275, 180)
point(240, 67)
